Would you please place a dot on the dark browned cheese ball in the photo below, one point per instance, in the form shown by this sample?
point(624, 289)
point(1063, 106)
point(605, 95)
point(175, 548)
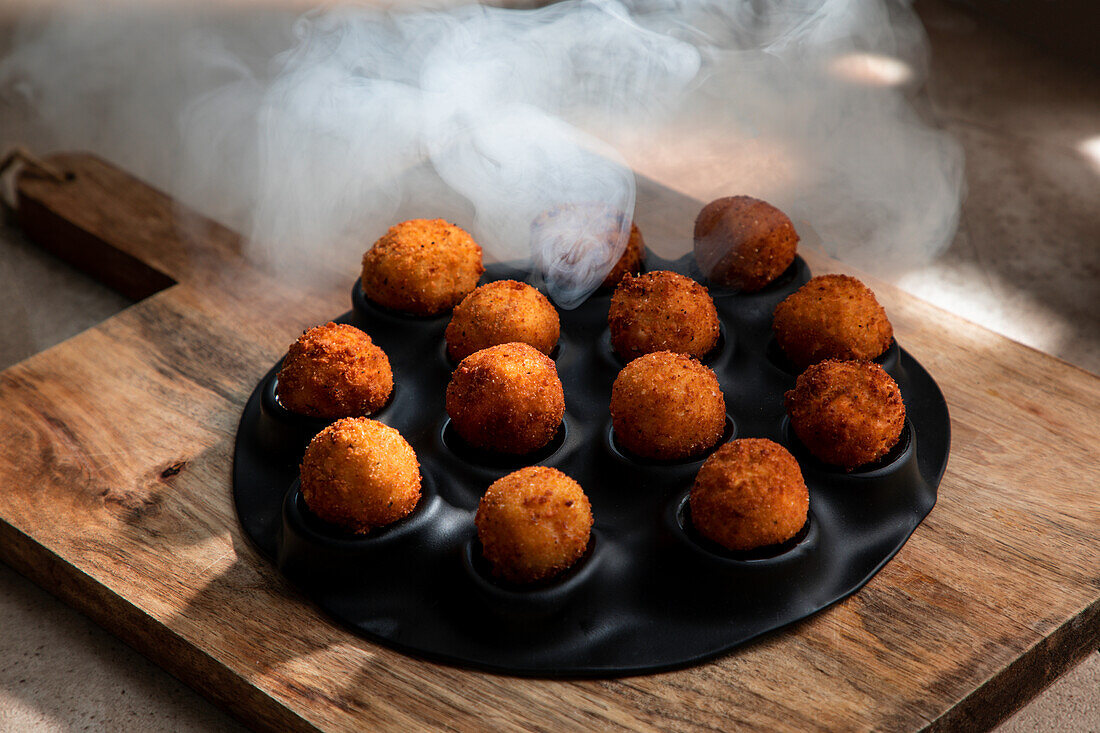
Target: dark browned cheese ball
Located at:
point(506, 398)
point(661, 311)
point(630, 262)
point(502, 312)
point(602, 222)
point(422, 267)
point(335, 370)
point(359, 474)
point(749, 494)
point(667, 406)
point(847, 413)
point(743, 243)
point(831, 317)
point(533, 524)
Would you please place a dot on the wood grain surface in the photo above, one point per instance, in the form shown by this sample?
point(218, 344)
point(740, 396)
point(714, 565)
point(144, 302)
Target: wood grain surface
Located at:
point(115, 496)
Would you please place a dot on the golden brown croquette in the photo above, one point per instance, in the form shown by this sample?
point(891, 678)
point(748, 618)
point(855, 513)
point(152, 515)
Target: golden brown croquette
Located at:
point(667, 406)
point(847, 413)
point(359, 474)
point(533, 524)
point(506, 398)
point(502, 312)
point(749, 494)
point(661, 311)
point(561, 225)
point(422, 267)
point(631, 260)
point(335, 370)
point(831, 317)
point(744, 243)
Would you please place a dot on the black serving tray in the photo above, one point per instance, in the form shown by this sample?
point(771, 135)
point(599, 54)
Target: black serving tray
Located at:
point(649, 594)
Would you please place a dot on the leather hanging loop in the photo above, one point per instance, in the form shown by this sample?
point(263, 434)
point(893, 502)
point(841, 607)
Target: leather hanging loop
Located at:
point(19, 155)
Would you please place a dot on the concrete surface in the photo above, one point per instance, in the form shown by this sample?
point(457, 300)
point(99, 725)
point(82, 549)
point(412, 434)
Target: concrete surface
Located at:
point(58, 670)
point(61, 672)
point(1026, 263)
point(1026, 260)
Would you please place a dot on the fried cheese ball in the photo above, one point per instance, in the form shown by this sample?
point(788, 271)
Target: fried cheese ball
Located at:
point(667, 406)
point(359, 474)
point(533, 524)
point(506, 398)
point(847, 413)
point(335, 370)
point(743, 242)
point(661, 311)
point(502, 312)
point(630, 261)
point(422, 267)
point(554, 236)
point(749, 494)
point(831, 317)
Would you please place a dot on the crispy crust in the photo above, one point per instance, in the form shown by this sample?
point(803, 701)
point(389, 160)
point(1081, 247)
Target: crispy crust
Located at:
point(631, 260)
point(506, 398)
point(743, 242)
point(661, 311)
point(831, 317)
point(335, 370)
point(667, 406)
point(502, 312)
point(750, 493)
point(847, 413)
point(561, 219)
point(360, 474)
point(533, 524)
point(421, 266)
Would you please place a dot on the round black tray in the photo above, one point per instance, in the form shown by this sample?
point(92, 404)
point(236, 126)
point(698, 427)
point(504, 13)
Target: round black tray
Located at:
point(649, 594)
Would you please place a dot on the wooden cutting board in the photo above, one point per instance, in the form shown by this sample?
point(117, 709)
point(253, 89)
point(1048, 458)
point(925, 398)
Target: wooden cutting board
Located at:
point(115, 496)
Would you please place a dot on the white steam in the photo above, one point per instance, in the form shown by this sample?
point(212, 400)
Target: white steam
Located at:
point(312, 134)
point(366, 106)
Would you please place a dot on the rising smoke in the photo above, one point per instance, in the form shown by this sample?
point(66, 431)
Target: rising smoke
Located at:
point(311, 133)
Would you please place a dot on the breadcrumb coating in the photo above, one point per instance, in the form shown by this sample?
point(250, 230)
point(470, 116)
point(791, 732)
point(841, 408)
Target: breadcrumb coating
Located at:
point(359, 474)
point(335, 370)
point(831, 317)
point(749, 494)
point(667, 406)
point(502, 312)
point(600, 220)
point(533, 524)
point(743, 242)
point(662, 311)
point(506, 398)
point(631, 260)
point(847, 413)
point(422, 267)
